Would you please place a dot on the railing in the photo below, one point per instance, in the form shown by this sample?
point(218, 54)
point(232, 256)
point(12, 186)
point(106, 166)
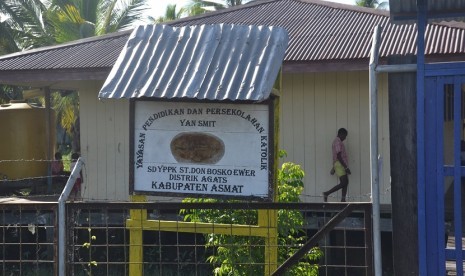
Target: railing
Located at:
point(75, 174)
point(98, 240)
point(28, 238)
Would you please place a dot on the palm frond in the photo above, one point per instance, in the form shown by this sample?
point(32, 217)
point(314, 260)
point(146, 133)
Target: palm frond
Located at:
point(171, 13)
point(88, 9)
point(126, 13)
point(383, 5)
point(106, 9)
point(26, 18)
point(67, 23)
point(66, 107)
point(7, 39)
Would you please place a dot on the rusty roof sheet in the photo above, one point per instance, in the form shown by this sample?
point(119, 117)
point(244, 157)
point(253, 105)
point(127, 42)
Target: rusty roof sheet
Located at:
point(215, 62)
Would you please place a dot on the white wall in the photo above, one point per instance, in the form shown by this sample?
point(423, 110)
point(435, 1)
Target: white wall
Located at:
point(104, 145)
point(313, 107)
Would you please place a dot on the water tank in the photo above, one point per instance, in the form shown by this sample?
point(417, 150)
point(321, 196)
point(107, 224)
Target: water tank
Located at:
point(24, 141)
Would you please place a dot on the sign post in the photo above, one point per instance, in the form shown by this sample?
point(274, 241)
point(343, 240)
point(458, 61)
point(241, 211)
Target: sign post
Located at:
point(216, 150)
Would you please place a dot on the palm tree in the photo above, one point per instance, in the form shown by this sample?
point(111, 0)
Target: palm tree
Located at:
point(75, 19)
point(25, 24)
point(7, 40)
point(22, 26)
point(35, 23)
point(200, 6)
point(378, 4)
point(170, 14)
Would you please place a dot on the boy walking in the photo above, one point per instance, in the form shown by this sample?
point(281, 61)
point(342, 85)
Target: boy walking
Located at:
point(340, 165)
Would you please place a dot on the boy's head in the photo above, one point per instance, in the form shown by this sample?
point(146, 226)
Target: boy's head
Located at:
point(342, 133)
point(75, 156)
point(58, 155)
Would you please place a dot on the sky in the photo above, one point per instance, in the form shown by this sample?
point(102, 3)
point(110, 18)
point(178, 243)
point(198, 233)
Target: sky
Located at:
point(158, 7)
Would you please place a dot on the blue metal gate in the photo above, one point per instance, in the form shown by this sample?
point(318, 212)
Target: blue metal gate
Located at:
point(444, 137)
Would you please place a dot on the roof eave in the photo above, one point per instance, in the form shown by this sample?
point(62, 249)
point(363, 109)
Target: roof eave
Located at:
point(19, 77)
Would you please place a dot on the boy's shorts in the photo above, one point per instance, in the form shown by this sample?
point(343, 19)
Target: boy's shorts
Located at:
point(340, 171)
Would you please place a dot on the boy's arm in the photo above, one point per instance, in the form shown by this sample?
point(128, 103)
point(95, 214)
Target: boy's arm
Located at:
point(339, 158)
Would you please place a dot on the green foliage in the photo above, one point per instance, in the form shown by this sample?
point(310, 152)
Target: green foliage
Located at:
point(88, 246)
point(30, 24)
point(66, 106)
point(171, 13)
point(8, 93)
point(238, 255)
point(378, 4)
point(290, 222)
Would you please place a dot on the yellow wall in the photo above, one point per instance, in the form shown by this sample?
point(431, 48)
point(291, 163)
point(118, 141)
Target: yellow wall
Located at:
point(104, 145)
point(313, 107)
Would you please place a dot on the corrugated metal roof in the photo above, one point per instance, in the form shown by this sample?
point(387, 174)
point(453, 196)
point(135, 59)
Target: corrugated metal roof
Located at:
point(318, 32)
point(405, 11)
point(215, 62)
point(92, 52)
point(322, 31)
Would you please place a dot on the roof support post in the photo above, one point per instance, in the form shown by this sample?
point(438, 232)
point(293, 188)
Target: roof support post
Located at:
point(421, 26)
point(374, 151)
point(48, 130)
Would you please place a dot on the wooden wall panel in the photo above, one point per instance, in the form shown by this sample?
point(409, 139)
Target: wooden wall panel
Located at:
point(285, 121)
point(84, 115)
point(298, 118)
point(354, 144)
point(122, 149)
point(313, 107)
point(364, 153)
point(383, 137)
point(104, 145)
point(101, 149)
point(89, 146)
point(321, 143)
point(308, 124)
point(110, 147)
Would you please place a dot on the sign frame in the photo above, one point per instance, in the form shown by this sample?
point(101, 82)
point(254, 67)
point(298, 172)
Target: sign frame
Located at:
point(270, 149)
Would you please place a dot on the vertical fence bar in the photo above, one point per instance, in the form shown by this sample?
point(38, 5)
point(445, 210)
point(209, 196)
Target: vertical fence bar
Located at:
point(268, 219)
point(368, 240)
point(421, 167)
point(430, 177)
point(62, 218)
point(438, 191)
point(136, 257)
point(457, 176)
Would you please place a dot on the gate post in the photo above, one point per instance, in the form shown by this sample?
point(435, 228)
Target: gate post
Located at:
point(136, 257)
point(268, 219)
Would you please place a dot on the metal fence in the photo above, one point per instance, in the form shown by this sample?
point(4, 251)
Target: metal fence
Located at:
point(28, 238)
point(100, 238)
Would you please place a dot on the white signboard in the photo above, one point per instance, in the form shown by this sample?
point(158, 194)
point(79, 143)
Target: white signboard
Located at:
point(203, 149)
